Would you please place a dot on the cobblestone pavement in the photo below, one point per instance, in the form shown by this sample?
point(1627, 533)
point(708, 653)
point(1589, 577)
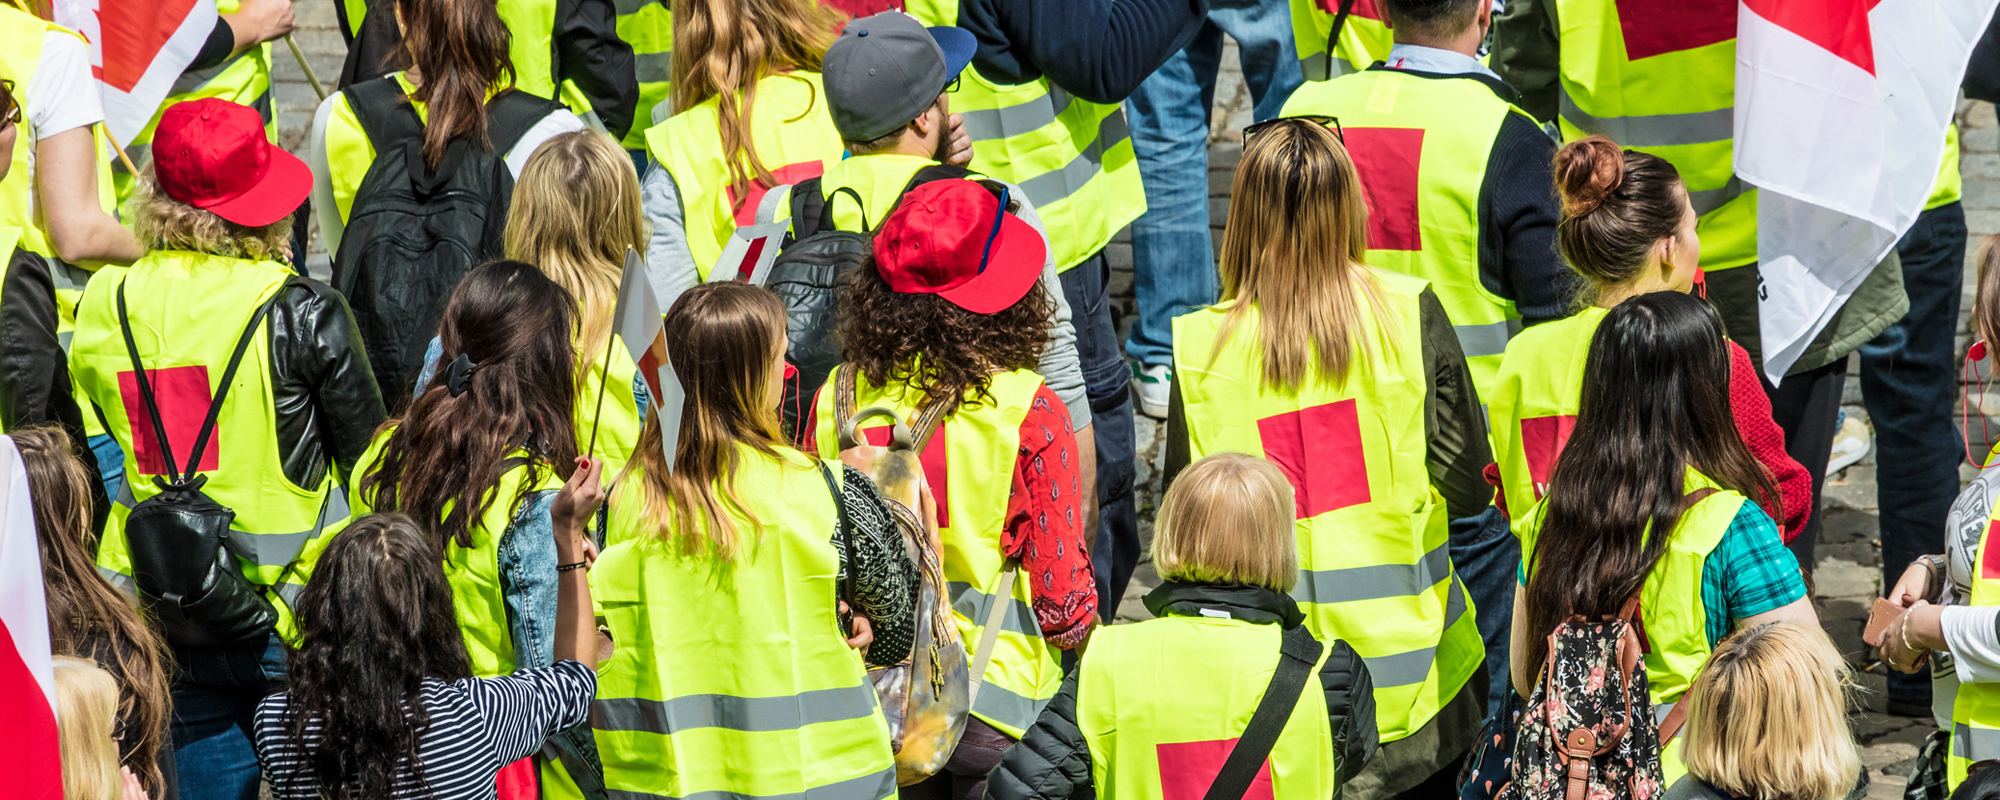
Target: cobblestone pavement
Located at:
point(1848, 554)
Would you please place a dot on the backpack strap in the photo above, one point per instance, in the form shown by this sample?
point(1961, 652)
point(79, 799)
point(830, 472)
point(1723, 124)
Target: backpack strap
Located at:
point(214, 405)
point(807, 204)
point(846, 535)
point(932, 173)
point(510, 115)
point(385, 114)
point(1297, 656)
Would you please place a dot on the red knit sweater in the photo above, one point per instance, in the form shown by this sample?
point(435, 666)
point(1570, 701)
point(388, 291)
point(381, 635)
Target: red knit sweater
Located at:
point(1760, 433)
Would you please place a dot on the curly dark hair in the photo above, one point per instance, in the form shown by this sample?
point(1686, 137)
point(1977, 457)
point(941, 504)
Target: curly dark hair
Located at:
point(883, 331)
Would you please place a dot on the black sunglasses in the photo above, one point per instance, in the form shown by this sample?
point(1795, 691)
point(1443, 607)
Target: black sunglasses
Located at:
point(953, 85)
point(1321, 120)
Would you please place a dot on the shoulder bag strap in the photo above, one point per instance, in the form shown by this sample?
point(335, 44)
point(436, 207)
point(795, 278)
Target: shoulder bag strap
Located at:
point(843, 398)
point(1297, 657)
point(228, 376)
point(989, 631)
point(146, 391)
point(846, 535)
point(1333, 36)
point(511, 114)
point(386, 117)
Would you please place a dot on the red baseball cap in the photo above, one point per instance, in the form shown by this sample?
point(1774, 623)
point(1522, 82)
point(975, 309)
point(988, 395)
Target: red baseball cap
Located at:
point(212, 154)
point(954, 239)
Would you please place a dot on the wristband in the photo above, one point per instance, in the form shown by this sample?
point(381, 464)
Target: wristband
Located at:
point(568, 567)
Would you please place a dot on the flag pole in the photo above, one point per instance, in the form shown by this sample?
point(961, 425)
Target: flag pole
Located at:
point(105, 128)
point(311, 77)
point(603, 379)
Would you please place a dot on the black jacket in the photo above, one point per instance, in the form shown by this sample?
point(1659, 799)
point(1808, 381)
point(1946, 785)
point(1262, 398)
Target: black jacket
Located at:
point(34, 368)
point(1099, 50)
point(1052, 760)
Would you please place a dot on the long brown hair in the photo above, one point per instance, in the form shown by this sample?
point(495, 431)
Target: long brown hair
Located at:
point(1293, 250)
point(925, 342)
point(575, 212)
point(444, 460)
point(1986, 305)
point(1655, 404)
point(83, 607)
point(459, 49)
point(722, 339)
point(723, 47)
point(1616, 204)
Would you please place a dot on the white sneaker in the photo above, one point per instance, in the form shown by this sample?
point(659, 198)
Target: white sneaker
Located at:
point(1850, 444)
point(1153, 386)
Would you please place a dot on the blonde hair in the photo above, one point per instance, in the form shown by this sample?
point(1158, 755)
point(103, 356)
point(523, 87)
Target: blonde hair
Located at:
point(167, 224)
point(575, 212)
point(87, 711)
point(1767, 718)
point(1228, 518)
point(723, 47)
point(1293, 249)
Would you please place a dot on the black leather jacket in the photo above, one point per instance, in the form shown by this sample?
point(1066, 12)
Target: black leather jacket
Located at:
point(1052, 759)
point(328, 406)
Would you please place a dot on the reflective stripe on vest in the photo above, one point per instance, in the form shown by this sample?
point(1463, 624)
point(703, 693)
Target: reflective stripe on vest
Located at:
point(1033, 135)
point(1371, 529)
point(1364, 40)
point(648, 27)
point(1975, 712)
point(981, 444)
point(1675, 621)
point(796, 717)
point(1661, 78)
point(1533, 403)
point(187, 311)
point(478, 596)
point(792, 128)
point(1147, 731)
point(1421, 145)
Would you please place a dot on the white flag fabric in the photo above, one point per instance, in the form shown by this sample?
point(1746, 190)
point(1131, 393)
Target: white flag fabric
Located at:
point(638, 321)
point(27, 670)
point(1841, 109)
point(748, 255)
point(138, 49)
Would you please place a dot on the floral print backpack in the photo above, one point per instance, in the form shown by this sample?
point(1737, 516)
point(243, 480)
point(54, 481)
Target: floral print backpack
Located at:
point(1588, 731)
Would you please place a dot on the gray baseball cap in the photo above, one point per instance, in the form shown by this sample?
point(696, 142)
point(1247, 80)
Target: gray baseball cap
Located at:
point(884, 70)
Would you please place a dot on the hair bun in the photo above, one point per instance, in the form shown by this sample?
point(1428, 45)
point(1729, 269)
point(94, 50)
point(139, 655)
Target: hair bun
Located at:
point(1587, 172)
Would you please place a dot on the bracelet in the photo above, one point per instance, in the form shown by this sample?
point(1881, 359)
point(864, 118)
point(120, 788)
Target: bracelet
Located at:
point(1904, 633)
point(568, 567)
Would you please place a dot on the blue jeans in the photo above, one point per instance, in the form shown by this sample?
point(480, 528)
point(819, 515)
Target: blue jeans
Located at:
point(1173, 261)
point(1908, 383)
point(1487, 558)
point(215, 692)
point(110, 463)
point(1087, 287)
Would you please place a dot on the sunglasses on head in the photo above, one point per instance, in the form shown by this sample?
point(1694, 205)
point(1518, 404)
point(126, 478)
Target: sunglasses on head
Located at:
point(953, 85)
point(1321, 120)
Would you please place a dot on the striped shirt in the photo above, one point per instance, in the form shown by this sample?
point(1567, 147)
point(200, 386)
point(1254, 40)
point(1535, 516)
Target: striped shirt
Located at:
point(478, 726)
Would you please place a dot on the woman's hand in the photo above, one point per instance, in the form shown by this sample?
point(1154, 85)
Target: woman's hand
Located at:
point(133, 789)
point(1915, 585)
point(864, 633)
point(574, 505)
point(1907, 640)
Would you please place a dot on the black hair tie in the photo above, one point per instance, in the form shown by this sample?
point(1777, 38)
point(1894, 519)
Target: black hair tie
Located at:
point(458, 376)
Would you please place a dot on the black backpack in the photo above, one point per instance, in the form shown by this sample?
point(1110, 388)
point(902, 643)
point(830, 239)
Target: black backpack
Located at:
point(809, 274)
point(414, 231)
point(179, 538)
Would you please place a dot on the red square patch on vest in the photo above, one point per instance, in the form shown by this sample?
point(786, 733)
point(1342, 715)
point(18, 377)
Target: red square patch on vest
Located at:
point(1187, 768)
point(1389, 159)
point(1329, 474)
point(1989, 556)
point(1365, 9)
point(933, 460)
point(1542, 439)
point(183, 396)
point(745, 197)
point(1655, 27)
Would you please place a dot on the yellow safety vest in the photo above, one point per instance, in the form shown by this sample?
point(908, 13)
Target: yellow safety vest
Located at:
point(1533, 405)
point(792, 128)
point(1364, 40)
point(1421, 145)
point(10, 236)
point(762, 698)
point(187, 310)
point(879, 179)
point(1661, 78)
point(1975, 711)
point(1950, 184)
point(244, 79)
point(1670, 607)
point(1162, 702)
point(1374, 568)
point(648, 26)
point(617, 424)
point(969, 464)
point(1073, 158)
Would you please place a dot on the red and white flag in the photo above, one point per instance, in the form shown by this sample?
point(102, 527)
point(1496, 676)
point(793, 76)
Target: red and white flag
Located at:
point(1841, 108)
point(138, 48)
point(638, 321)
point(748, 255)
point(27, 670)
